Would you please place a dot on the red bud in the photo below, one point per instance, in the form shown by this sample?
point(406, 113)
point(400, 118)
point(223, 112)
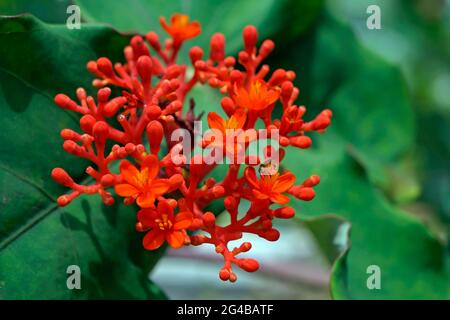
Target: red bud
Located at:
point(113, 106)
point(153, 39)
point(87, 123)
point(68, 134)
point(104, 65)
point(195, 54)
point(302, 193)
point(224, 274)
point(154, 112)
point(144, 68)
point(71, 147)
point(217, 47)
point(228, 105)
point(100, 131)
point(230, 203)
point(311, 181)
point(155, 133)
point(271, 235)
point(284, 212)
point(63, 200)
point(302, 142)
point(63, 101)
point(62, 177)
point(250, 36)
point(107, 180)
point(249, 265)
point(209, 219)
point(266, 48)
point(92, 67)
point(103, 95)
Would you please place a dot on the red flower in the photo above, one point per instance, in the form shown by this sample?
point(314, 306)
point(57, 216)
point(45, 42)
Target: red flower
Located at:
point(270, 186)
point(179, 28)
point(163, 225)
point(258, 96)
point(142, 185)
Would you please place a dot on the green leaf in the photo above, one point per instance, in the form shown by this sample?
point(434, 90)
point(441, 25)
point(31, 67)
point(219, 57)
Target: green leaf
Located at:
point(368, 97)
point(372, 129)
point(331, 233)
point(50, 11)
point(227, 16)
point(412, 261)
point(39, 240)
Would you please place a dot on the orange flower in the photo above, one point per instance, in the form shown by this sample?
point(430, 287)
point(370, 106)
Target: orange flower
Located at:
point(270, 186)
point(142, 185)
point(257, 97)
point(180, 29)
point(233, 127)
point(163, 225)
point(236, 121)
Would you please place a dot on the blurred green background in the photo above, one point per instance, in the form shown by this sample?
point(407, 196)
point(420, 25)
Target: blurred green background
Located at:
point(384, 198)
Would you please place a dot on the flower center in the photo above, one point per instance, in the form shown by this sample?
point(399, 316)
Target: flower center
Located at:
point(181, 21)
point(164, 223)
point(141, 178)
point(268, 181)
point(255, 90)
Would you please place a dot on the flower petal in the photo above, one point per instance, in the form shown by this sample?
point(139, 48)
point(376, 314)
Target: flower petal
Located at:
point(216, 122)
point(128, 171)
point(147, 217)
point(153, 239)
point(165, 208)
point(237, 120)
point(126, 190)
point(284, 182)
point(259, 195)
point(193, 30)
point(179, 20)
point(151, 163)
point(183, 220)
point(279, 198)
point(272, 96)
point(241, 96)
point(159, 186)
point(250, 175)
point(175, 239)
point(146, 200)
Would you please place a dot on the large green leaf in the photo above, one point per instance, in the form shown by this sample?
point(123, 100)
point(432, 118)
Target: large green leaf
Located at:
point(372, 129)
point(368, 97)
point(51, 11)
point(39, 240)
point(413, 263)
point(287, 18)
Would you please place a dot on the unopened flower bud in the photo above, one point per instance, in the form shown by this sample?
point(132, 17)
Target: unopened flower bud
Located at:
point(104, 65)
point(144, 68)
point(250, 36)
point(62, 177)
point(284, 212)
point(209, 219)
point(302, 142)
point(249, 265)
point(155, 133)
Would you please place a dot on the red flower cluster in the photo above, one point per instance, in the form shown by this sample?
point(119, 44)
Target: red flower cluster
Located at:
point(172, 195)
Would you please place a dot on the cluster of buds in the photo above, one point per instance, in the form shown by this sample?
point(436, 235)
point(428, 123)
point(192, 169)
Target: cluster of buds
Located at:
point(171, 191)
